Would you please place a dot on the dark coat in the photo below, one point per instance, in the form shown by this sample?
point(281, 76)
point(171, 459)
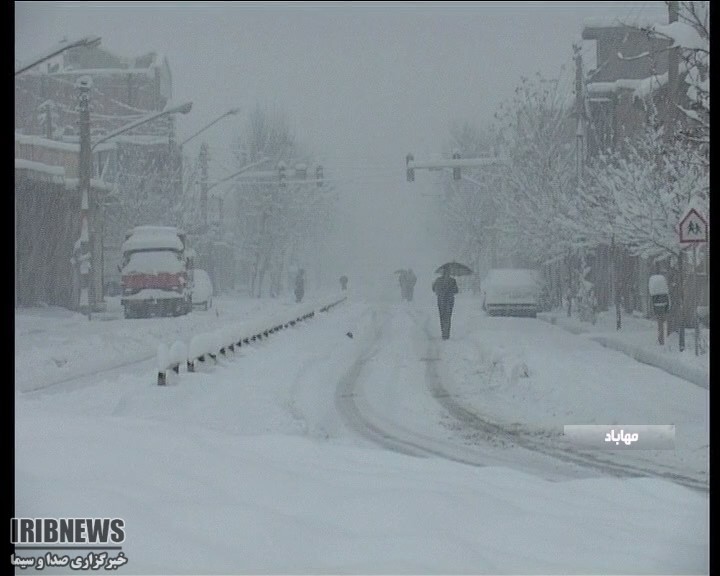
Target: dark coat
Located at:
point(299, 286)
point(445, 287)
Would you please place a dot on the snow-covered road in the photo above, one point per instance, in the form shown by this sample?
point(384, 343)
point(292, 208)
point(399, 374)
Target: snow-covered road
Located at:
point(494, 396)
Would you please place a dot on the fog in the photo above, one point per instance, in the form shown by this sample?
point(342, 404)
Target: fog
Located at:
point(361, 84)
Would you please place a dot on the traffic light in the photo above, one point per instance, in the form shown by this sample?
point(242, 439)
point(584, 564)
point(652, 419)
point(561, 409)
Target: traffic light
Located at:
point(410, 171)
point(281, 174)
point(456, 169)
point(319, 175)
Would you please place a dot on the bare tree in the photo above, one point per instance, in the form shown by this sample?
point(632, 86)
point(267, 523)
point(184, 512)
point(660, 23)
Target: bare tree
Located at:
point(274, 222)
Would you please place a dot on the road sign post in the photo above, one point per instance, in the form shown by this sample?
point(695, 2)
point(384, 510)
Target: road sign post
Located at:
point(693, 230)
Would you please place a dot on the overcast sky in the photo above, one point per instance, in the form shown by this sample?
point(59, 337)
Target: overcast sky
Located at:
point(362, 83)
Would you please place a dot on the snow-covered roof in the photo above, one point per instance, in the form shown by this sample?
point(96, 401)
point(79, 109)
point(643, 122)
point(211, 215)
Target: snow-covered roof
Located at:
point(56, 174)
point(616, 86)
point(643, 87)
point(682, 34)
point(22, 164)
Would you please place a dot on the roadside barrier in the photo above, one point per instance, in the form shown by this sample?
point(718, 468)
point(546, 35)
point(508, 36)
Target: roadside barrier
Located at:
point(210, 346)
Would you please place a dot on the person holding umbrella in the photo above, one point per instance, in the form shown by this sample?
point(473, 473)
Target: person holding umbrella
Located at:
point(446, 287)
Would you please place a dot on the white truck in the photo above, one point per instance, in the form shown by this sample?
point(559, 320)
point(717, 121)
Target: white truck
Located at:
point(156, 260)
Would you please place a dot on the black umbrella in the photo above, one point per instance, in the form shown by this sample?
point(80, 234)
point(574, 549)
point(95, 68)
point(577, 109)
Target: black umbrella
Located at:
point(455, 268)
point(399, 271)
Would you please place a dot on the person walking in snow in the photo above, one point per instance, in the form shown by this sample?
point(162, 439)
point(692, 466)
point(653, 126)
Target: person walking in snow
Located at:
point(343, 282)
point(445, 287)
point(403, 284)
point(410, 281)
point(300, 285)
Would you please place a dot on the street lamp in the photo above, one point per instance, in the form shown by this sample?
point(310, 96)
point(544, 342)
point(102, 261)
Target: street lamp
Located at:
point(241, 171)
point(203, 156)
point(90, 241)
point(87, 41)
point(230, 112)
point(181, 109)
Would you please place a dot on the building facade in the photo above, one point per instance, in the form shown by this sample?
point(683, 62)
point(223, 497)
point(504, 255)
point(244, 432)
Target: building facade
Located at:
point(629, 85)
point(133, 173)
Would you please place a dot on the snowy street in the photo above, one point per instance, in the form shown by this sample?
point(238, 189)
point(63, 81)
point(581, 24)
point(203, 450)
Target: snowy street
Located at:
point(302, 447)
point(395, 288)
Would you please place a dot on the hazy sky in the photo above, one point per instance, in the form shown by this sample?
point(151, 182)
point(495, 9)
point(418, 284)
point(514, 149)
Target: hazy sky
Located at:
point(362, 83)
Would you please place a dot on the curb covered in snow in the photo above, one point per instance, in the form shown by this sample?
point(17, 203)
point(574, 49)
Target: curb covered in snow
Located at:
point(692, 374)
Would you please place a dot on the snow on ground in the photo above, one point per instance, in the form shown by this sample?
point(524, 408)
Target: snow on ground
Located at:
point(251, 466)
point(536, 378)
point(53, 343)
point(638, 338)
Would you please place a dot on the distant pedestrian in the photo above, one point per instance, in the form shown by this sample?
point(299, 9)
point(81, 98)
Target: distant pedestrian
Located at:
point(403, 280)
point(300, 285)
point(343, 282)
point(445, 287)
point(410, 280)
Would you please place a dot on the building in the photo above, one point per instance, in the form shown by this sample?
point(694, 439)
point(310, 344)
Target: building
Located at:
point(134, 173)
point(629, 83)
point(631, 66)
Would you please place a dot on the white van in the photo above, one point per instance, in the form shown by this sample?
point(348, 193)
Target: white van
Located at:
point(511, 292)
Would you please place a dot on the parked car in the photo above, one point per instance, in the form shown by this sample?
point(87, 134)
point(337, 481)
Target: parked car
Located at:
point(202, 289)
point(511, 292)
point(154, 272)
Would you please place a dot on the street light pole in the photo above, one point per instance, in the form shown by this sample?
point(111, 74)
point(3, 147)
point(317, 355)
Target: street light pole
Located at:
point(87, 41)
point(230, 112)
point(91, 289)
point(204, 184)
point(181, 109)
point(203, 161)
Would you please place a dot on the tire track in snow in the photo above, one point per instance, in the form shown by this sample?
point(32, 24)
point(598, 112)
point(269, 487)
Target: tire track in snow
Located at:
point(353, 403)
point(494, 431)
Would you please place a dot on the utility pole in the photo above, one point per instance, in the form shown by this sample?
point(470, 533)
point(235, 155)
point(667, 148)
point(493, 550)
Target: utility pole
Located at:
point(47, 107)
point(673, 65)
point(670, 121)
point(204, 183)
point(614, 275)
point(579, 114)
point(86, 261)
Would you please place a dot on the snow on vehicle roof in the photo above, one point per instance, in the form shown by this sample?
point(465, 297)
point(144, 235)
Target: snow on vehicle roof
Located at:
point(657, 284)
point(151, 237)
point(154, 230)
point(512, 276)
